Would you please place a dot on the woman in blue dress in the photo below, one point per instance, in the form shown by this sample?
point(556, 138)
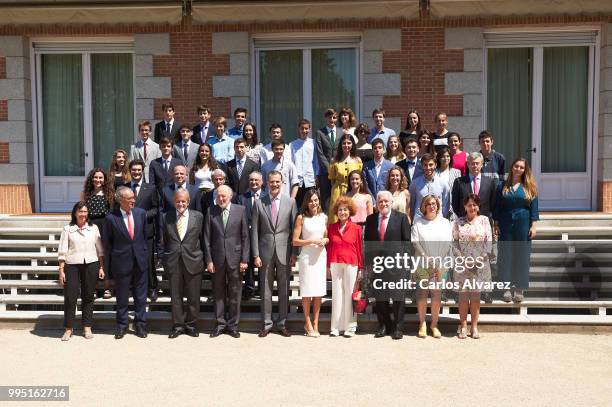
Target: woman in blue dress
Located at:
point(516, 212)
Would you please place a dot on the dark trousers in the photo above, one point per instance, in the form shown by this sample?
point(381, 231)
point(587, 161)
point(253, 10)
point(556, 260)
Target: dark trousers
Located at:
point(152, 269)
point(325, 189)
point(384, 311)
point(249, 280)
point(227, 289)
point(81, 277)
point(267, 273)
point(299, 198)
point(184, 284)
point(138, 281)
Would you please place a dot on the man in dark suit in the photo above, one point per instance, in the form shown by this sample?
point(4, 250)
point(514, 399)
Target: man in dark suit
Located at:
point(273, 253)
point(239, 169)
point(474, 183)
point(209, 198)
point(147, 198)
point(412, 163)
point(180, 181)
point(387, 225)
point(125, 248)
point(168, 127)
point(248, 200)
point(184, 261)
point(226, 243)
point(161, 170)
point(205, 129)
point(326, 141)
point(375, 171)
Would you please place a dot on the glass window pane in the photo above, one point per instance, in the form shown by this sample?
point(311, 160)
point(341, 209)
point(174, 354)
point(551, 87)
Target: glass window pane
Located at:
point(334, 81)
point(509, 94)
point(280, 91)
point(112, 105)
point(62, 100)
point(564, 109)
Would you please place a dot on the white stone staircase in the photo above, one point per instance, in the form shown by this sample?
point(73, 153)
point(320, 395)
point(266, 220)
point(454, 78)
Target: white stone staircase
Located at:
point(571, 279)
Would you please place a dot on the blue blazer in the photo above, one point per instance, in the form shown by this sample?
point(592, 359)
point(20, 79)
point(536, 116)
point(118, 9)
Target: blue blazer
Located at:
point(376, 184)
point(121, 252)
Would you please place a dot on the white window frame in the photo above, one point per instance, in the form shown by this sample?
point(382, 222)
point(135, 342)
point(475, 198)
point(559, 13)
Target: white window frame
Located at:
point(85, 46)
point(537, 42)
point(305, 42)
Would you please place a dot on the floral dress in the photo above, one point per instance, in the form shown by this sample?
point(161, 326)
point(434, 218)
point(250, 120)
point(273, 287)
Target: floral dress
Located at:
point(472, 240)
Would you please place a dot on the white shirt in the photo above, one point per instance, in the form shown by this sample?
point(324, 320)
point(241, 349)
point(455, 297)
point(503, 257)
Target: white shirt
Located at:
point(138, 185)
point(78, 246)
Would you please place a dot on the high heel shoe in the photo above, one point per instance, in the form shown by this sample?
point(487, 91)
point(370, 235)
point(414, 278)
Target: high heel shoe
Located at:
point(67, 335)
point(462, 334)
point(422, 330)
point(310, 334)
point(475, 334)
point(435, 332)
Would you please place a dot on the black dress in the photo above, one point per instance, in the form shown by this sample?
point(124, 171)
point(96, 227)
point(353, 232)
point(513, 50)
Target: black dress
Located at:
point(98, 209)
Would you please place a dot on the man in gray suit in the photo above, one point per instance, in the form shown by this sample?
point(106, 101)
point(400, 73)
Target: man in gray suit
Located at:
point(226, 243)
point(184, 260)
point(145, 149)
point(271, 232)
point(186, 150)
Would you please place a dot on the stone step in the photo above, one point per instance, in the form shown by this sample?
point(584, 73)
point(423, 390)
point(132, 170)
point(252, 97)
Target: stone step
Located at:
point(29, 244)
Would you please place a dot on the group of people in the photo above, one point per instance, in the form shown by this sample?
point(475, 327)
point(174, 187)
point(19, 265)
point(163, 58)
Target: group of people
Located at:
point(207, 200)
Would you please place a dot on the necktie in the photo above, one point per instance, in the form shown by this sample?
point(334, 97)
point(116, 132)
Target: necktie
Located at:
point(145, 151)
point(180, 225)
point(134, 185)
point(274, 211)
point(185, 151)
point(203, 134)
point(332, 136)
point(254, 198)
point(225, 217)
point(166, 165)
point(168, 127)
point(476, 188)
point(130, 225)
point(411, 164)
point(239, 168)
point(383, 228)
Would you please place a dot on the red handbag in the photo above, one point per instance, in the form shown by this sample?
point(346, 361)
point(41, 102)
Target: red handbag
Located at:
point(360, 303)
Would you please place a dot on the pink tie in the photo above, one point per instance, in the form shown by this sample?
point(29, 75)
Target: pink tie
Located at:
point(145, 151)
point(476, 186)
point(130, 225)
point(383, 228)
point(274, 211)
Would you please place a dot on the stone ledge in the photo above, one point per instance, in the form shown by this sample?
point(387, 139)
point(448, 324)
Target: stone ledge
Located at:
point(154, 44)
point(230, 42)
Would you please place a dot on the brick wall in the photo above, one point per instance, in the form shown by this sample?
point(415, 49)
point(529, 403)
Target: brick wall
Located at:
point(17, 199)
point(3, 110)
point(4, 153)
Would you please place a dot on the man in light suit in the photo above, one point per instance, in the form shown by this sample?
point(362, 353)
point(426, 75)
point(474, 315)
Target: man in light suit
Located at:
point(387, 225)
point(271, 234)
point(226, 243)
point(239, 168)
point(474, 183)
point(169, 127)
point(248, 200)
point(147, 198)
point(161, 170)
point(375, 171)
point(125, 249)
point(205, 129)
point(186, 150)
point(184, 262)
point(326, 141)
point(145, 149)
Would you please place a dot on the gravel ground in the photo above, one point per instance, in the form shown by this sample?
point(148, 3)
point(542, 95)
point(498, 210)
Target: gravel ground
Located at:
point(500, 369)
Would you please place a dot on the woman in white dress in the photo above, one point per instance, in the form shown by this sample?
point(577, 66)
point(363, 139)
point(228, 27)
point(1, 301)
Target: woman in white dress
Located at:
point(310, 233)
point(431, 238)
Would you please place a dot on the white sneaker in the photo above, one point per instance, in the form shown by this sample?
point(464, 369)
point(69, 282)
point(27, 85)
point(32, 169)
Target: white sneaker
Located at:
point(334, 333)
point(349, 332)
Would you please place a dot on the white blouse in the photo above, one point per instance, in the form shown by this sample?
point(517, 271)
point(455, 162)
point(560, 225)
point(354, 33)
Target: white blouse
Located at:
point(78, 246)
point(203, 178)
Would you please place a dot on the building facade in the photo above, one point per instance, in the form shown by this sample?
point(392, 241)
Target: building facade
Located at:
point(76, 77)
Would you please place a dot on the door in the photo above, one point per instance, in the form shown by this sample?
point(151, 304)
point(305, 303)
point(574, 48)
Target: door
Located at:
point(84, 111)
point(539, 107)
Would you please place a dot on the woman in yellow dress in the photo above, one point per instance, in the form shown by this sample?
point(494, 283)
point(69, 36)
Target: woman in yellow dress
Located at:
point(344, 162)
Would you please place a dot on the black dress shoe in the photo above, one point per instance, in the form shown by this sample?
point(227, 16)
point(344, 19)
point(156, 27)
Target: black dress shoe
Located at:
point(141, 332)
point(176, 332)
point(192, 332)
point(397, 335)
point(233, 333)
point(284, 332)
point(153, 295)
point(120, 333)
point(380, 333)
point(218, 331)
point(263, 333)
